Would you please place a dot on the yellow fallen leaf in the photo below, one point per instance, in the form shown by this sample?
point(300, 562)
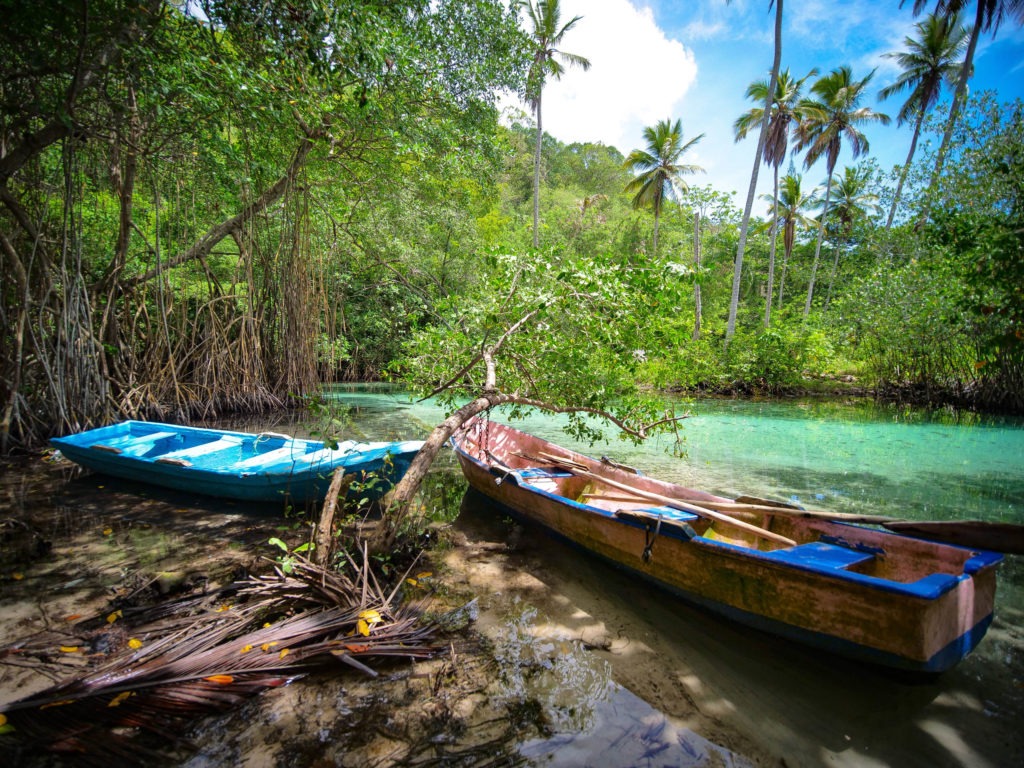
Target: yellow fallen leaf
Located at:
point(267, 646)
point(246, 648)
point(412, 582)
point(284, 652)
point(107, 531)
point(116, 701)
point(69, 649)
point(372, 616)
point(266, 624)
point(222, 679)
point(135, 643)
point(424, 575)
point(58, 703)
point(224, 607)
point(114, 617)
point(363, 628)
point(17, 576)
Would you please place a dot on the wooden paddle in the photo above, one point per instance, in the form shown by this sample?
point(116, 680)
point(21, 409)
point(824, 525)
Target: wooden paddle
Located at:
point(685, 506)
point(736, 506)
point(975, 534)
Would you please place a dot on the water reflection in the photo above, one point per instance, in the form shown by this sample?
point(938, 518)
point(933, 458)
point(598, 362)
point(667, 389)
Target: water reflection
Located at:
point(696, 678)
point(626, 731)
point(588, 719)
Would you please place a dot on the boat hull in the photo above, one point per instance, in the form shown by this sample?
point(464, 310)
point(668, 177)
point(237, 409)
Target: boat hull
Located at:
point(820, 594)
point(235, 465)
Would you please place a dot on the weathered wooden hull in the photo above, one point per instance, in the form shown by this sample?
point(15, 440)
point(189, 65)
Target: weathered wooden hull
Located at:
point(872, 595)
point(234, 465)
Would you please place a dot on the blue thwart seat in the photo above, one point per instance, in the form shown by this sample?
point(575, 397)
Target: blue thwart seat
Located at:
point(288, 453)
point(819, 555)
point(541, 473)
point(671, 513)
point(205, 448)
point(133, 446)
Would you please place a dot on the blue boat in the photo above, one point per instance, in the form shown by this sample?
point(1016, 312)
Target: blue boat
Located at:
point(235, 465)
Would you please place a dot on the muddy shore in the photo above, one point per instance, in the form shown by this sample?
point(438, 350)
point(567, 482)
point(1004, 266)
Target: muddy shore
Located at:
point(559, 660)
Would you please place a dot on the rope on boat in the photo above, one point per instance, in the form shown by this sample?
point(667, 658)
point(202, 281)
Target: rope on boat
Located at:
point(649, 540)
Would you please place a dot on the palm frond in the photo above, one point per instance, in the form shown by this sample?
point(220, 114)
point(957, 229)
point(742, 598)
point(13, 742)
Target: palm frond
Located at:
point(205, 653)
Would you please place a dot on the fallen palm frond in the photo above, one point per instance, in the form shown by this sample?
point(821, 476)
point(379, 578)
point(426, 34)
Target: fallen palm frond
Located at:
point(202, 654)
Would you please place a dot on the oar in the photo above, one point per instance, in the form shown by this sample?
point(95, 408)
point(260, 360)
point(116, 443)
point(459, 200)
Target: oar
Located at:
point(741, 507)
point(579, 469)
point(974, 534)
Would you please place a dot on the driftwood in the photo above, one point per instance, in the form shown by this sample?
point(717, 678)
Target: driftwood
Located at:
point(324, 539)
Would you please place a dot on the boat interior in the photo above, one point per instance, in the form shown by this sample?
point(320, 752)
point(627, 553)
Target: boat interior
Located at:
point(210, 449)
point(775, 534)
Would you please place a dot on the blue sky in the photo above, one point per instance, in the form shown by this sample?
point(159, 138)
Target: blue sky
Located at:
point(693, 59)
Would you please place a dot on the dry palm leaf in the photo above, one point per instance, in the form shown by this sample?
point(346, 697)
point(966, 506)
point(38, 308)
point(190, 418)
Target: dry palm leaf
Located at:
point(207, 653)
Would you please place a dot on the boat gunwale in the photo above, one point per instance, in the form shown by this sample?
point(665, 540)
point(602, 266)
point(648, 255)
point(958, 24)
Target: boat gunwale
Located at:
point(913, 589)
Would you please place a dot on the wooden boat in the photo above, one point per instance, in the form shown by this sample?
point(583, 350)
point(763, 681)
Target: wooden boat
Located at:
point(873, 595)
point(237, 465)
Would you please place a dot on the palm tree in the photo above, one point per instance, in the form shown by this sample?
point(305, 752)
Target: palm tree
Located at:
point(547, 62)
point(853, 202)
point(931, 59)
point(833, 116)
point(737, 273)
point(792, 210)
point(785, 117)
point(989, 14)
point(658, 169)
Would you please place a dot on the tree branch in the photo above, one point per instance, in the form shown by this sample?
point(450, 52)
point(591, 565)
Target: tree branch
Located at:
point(214, 235)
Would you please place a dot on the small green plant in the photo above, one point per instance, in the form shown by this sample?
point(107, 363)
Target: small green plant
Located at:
point(287, 560)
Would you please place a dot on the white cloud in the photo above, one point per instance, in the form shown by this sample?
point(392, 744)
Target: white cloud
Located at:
point(637, 76)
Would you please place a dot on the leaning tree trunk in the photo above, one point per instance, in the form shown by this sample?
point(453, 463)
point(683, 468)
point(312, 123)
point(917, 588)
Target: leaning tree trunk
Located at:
point(959, 95)
point(536, 178)
point(405, 491)
point(771, 254)
point(906, 170)
point(696, 277)
point(817, 248)
point(737, 275)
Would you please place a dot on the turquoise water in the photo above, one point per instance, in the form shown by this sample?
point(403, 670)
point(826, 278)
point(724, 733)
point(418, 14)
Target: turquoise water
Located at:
point(840, 457)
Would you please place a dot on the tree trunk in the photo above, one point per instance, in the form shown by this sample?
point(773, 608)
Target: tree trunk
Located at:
point(832, 278)
point(906, 170)
point(654, 244)
point(324, 539)
point(696, 277)
point(954, 109)
point(202, 247)
point(817, 248)
point(782, 278)
point(536, 177)
point(771, 254)
point(752, 189)
point(406, 489)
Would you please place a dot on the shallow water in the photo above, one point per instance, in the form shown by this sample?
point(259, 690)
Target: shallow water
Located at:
point(618, 673)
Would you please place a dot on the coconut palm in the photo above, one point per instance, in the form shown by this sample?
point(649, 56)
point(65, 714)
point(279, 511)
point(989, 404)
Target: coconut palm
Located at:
point(548, 62)
point(657, 168)
point(792, 212)
point(737, 272)
point(853, 202)
point(783, 119)
point(931, 59)
point(833, 115)
point(989, 15)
